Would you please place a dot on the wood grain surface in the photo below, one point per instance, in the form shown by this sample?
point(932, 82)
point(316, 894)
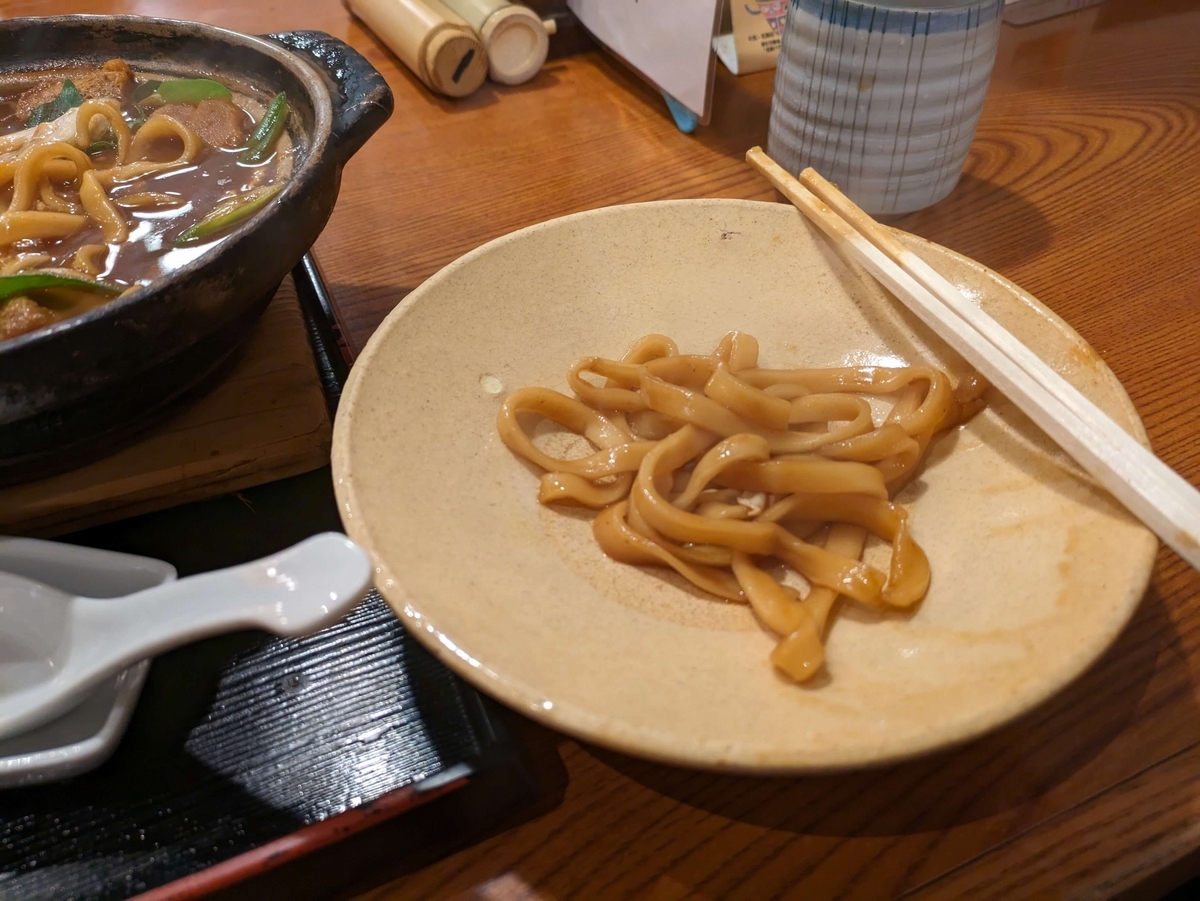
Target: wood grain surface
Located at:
point(266, 419)
point(1083, 186)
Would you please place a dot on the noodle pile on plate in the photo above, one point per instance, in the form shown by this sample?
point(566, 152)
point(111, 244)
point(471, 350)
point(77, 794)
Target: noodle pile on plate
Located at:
point(714, 466)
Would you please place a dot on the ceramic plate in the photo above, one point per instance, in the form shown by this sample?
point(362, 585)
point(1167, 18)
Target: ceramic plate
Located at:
point(1035, 570)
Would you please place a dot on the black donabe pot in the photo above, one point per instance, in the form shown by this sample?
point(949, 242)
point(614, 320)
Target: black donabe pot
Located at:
point(72, 392)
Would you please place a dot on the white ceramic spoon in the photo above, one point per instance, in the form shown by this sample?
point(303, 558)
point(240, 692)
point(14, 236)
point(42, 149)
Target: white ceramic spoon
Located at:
point(54, 646)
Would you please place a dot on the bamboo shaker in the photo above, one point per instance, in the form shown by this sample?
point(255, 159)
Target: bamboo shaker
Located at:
point(516, 38)
point(438, 46)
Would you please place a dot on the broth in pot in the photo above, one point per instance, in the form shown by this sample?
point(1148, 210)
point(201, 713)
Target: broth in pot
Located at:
point(111, 178)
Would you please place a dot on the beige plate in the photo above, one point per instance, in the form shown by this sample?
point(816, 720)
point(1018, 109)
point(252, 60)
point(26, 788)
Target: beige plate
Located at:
point(1034, 570)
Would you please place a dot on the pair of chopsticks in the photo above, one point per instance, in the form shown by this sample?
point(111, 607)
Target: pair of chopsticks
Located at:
point(1166, 503)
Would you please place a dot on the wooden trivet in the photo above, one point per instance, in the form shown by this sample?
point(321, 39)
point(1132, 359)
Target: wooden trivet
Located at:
point(267, 419)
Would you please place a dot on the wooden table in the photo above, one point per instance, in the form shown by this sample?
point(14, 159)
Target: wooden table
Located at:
point(1083, 186)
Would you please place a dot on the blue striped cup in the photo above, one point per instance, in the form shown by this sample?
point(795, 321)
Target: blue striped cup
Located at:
point(882, 98)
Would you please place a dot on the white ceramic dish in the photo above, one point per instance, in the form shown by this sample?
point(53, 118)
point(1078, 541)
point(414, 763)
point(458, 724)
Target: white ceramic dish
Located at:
point(56, 646)
point(1035, 571)
point(85, 736)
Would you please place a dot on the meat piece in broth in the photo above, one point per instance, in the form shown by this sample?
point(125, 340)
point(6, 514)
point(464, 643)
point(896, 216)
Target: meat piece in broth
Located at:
point(219, 123)
point(19, 315)
point(112, 80)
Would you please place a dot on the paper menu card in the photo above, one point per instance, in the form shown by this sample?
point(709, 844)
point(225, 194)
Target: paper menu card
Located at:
point(668, 42)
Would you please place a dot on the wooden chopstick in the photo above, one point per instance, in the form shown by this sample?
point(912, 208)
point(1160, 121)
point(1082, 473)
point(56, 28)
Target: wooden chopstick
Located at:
point(1166, 503)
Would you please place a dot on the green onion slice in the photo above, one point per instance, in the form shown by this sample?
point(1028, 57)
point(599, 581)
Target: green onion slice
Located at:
point(227, 213)
point(270, 127)
point(23, 282)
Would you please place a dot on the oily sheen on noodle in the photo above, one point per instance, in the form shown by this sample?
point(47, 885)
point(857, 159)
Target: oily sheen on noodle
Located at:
point(727, 472)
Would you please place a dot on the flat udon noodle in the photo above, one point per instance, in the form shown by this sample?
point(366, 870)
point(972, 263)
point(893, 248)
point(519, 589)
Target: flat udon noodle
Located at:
point(711, 465)
point(34, 171)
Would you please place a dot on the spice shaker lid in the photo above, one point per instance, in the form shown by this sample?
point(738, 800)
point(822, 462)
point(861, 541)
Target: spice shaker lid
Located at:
point(517, 44)
point(455, 61)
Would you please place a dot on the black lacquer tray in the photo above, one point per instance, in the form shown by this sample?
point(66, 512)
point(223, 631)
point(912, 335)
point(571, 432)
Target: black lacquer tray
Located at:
point(246, 751)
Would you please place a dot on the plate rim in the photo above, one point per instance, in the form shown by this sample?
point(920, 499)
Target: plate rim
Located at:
point(639, 741)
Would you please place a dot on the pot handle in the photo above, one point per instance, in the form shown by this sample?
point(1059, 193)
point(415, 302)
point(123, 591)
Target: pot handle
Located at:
point(362, 100)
